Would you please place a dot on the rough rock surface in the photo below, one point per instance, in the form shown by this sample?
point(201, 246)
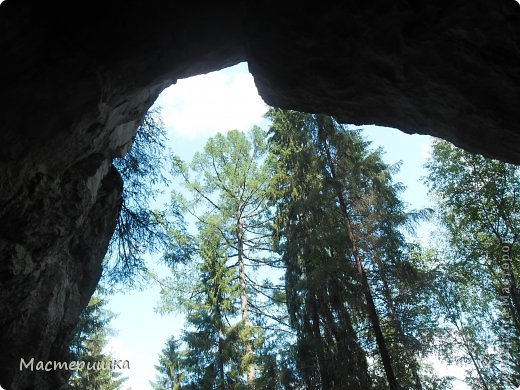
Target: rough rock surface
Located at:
point(51, 263)
point(445, 68)
point(75, 82)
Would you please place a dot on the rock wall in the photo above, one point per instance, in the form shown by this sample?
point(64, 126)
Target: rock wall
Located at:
point(74, 83)
point(445, 68)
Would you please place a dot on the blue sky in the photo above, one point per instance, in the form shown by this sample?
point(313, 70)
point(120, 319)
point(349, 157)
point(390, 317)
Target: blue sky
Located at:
point(193, 110)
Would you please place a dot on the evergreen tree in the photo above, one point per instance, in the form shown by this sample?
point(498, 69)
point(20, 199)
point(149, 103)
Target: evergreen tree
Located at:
point(229, 183)
point(321, 285)
point(139, 228)
point(87, 346)
point(210, 343)
point(339, 217)
point(374, 218)
point(170, 372)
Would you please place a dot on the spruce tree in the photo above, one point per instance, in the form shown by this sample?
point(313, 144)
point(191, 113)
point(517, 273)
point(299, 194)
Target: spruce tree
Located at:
point(336, 198)
point(139, 227)
point(88, 344)
point(321, 285)
point(207, 354)
point(211, 346)
point(170, 371)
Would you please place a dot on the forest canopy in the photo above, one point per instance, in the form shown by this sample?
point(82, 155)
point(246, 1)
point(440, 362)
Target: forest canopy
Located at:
point(310, 276)
point(296, 264)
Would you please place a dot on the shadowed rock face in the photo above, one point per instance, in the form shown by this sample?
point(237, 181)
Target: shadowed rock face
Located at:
point(75, 83)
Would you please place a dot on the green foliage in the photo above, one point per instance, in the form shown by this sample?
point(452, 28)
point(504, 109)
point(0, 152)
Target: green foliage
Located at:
point(321, 285)
point(316, 193)
point(212, 342)
point(213, 353)
point(228, 184)
point(326, 175)
point(87, 346)
point(477, 295)
point(139, 228)
point(170, 374)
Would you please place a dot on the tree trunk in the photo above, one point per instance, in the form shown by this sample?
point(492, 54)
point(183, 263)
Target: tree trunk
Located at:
point(372, 313)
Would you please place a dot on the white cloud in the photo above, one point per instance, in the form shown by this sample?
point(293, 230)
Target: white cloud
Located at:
point(203, 105)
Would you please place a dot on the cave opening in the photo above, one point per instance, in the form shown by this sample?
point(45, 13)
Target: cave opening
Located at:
point(193, 110)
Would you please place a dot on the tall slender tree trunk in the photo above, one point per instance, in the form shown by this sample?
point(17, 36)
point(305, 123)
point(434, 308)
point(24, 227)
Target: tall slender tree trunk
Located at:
point(244, 300)
point(372, 312)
